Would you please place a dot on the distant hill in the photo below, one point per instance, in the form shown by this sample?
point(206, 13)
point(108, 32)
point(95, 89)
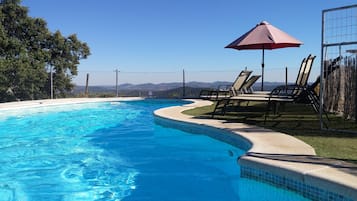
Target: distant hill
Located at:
point(150, 86)
point(162, 90)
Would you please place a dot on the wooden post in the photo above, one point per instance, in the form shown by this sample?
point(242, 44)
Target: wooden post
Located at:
point(355, 89)
point(183, 84)
point(286, 79)
point(32, 95)
point(116, 82)
point(51, 74)
point(87, 81)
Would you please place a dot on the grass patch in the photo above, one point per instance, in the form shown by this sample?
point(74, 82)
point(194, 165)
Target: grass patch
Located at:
point(296, 120)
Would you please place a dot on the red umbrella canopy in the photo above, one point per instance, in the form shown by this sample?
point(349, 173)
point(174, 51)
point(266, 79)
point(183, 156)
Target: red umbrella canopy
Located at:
point(264, 36)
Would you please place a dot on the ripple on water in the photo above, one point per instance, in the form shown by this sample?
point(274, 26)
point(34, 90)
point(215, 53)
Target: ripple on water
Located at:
point(49, 153)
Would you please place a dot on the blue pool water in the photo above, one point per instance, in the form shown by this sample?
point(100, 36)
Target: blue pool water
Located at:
point(116, 151)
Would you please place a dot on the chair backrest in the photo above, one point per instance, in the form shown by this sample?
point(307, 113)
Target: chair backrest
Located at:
point(240, 80)
point(309, 61)
point(247, 86)
point(304, 75)
point(301, 72)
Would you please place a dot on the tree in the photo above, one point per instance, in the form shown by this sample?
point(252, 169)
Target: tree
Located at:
point(65, 54)
point(27, 51)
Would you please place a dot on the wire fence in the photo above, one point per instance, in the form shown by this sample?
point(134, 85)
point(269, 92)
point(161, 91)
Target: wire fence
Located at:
point(144, 83)
point(107, 78)
point(339, 63)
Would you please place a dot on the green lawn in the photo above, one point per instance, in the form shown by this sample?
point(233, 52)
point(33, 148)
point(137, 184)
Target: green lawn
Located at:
point(297, 120)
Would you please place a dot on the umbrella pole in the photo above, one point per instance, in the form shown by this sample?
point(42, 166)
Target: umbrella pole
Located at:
point(262, 88)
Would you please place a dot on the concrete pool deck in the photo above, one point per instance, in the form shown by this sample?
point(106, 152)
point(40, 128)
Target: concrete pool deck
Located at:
point(281, 157)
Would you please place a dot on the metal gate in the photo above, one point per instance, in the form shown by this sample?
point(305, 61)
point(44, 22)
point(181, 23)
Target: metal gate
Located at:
point(338, 93)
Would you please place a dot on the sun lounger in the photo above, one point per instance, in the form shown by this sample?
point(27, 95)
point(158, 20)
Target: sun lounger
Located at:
point(247, 87)
point(226, 91)
point(298, 93)
point(301, 79)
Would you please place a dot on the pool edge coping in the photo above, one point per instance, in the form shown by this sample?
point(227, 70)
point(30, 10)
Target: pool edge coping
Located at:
point(266, 143)
point(60, 101)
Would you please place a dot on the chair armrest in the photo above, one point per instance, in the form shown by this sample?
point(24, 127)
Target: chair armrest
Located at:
point(206, 91)
point(287, 89)
point(224, 87)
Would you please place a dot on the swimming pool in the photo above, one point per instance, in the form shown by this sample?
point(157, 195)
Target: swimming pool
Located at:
point(116, 151)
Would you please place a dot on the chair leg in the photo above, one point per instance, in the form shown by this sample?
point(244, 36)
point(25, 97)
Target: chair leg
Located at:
point(215, 108)
point(225, 107)
point(276, 107)
point(315, 104)
point(221, 104)
point(267, 111)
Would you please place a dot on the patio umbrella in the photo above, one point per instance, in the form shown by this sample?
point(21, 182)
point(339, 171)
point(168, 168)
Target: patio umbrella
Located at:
point(264, 36)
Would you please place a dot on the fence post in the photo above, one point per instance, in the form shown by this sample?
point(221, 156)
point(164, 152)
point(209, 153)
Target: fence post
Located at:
point(116, 82)
point(286, 79)
point(51, 74)
point(183, 84)
point(87, 81)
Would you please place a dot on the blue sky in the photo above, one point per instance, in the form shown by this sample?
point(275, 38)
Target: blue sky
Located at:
point(154, 40)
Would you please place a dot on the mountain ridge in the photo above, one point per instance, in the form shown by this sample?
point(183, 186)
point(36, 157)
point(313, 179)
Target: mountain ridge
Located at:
point(171, 85)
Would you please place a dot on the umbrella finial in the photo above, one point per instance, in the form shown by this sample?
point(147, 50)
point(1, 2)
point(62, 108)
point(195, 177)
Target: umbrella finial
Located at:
point(264, 22)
